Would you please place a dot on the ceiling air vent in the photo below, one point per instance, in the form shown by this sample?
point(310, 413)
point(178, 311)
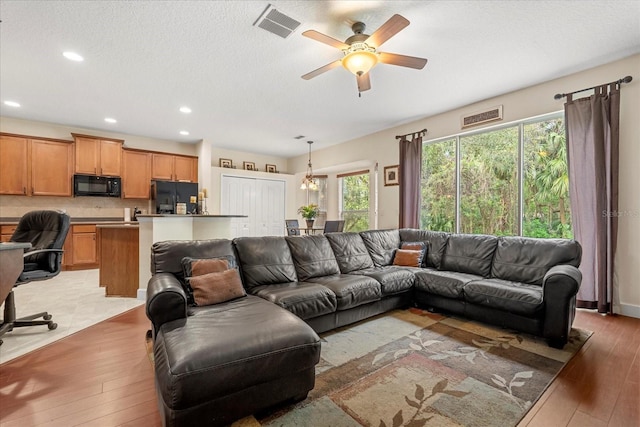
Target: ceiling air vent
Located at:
point(481, 117)
point(276, 22)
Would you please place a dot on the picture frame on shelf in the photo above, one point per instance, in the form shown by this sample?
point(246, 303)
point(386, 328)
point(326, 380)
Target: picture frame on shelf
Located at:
point(271, 168)
point(249, 166)
point(392, 175)
point(226, 163)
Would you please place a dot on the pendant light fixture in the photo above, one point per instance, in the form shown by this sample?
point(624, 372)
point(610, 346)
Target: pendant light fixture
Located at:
point(308, 183)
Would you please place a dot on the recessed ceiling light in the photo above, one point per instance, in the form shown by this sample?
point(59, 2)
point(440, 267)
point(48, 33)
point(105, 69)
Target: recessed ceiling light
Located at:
point(110, 120)
point(73, 56)
point(185, 110)
point(184, 132)
point(11, 103)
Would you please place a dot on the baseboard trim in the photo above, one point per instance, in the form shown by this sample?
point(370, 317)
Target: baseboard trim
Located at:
point(629, 310)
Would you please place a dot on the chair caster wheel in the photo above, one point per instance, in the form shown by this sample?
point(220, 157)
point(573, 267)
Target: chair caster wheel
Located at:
point(52, 326)
point(47, 317)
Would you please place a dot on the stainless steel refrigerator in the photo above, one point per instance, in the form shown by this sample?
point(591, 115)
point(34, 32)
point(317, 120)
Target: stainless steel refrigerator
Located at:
point(167, 194)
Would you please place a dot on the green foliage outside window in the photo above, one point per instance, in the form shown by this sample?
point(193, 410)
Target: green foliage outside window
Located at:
point(355, 202)
point(490, 182)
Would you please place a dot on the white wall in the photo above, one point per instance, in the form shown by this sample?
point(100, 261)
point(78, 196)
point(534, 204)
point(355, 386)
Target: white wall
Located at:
point(382, 147)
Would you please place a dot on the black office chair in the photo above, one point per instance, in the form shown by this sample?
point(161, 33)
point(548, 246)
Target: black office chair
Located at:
point(333, 226)
point(46, 231)
point(293, 228)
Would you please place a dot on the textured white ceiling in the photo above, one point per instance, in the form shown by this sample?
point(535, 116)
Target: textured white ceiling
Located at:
point(145, 59)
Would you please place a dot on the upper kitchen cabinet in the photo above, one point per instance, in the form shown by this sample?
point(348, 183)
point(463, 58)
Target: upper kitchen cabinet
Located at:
point(35, 166)
point(98, 156)
point(171, 167)
point(13, 165)
point(136, 174)
point(51, 169)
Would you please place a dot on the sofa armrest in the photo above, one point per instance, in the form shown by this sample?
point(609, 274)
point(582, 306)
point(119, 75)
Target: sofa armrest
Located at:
point(166, 300)
point(559, 288)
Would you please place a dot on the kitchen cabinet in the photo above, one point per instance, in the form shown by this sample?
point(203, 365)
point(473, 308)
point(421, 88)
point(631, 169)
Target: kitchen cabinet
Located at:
point(119, 249)
point(6, 231)
point(35, 166)
point(170, 167)
point(97, 156)
point(51, 168)
point(136, 174)
point(84, 247)
point(13, 165)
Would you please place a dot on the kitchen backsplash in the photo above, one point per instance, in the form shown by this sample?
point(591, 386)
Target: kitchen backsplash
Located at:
point(77, 207)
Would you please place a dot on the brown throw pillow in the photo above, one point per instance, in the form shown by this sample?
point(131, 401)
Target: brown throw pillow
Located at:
point(217, 287)
point(417, 246)
point(408, 258)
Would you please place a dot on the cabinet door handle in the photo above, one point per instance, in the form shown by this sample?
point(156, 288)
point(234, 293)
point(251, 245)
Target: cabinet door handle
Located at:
point(24, 190)
point(95, 171)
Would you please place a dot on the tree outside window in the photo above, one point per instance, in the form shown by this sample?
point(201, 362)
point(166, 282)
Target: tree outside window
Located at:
point(354, 206)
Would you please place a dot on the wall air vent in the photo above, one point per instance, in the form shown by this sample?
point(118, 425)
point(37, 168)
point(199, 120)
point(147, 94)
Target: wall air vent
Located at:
point(481, 117)
point(276, 22)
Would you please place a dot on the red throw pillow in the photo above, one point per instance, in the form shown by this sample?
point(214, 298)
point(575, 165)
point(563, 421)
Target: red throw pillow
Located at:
point(217, 287)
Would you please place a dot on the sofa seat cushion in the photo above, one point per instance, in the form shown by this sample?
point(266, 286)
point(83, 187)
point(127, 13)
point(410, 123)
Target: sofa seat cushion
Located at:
point(351, 290)
point(392, 279)
point(514, 297)
point(305, 300)
point(235, 346)
point(350, 251)
point(444, 283)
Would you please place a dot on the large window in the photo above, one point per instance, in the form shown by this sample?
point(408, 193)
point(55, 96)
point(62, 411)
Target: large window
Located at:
point(507, 181)
point(354, 201)
point(319, 197)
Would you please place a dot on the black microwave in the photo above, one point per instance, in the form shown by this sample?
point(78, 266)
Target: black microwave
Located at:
point(98, 186)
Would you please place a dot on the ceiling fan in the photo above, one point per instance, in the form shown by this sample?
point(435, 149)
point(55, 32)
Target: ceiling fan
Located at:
point(361, 51)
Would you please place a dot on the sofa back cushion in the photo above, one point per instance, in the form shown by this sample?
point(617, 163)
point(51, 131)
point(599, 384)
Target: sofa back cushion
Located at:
point(265, 260)
point(350, 251)
point(436, 243)
point(469, 253)
point(166, 257)
point(312, 256)
point(382, 245)
point(527, 260)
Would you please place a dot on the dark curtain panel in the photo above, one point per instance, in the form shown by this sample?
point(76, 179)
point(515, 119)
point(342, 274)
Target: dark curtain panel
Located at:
point(592, 154)
point(410, 167)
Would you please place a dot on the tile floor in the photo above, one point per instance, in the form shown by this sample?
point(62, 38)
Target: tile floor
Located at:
point(73, 298)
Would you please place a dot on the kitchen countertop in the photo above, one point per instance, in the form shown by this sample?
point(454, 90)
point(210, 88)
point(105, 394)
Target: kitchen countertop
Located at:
point(189, 216)
point(77, 220)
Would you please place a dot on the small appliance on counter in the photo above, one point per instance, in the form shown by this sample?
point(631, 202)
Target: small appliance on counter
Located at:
point(166, 195)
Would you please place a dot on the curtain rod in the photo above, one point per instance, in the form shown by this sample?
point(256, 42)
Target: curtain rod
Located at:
point(422, 132)
point(626, 79)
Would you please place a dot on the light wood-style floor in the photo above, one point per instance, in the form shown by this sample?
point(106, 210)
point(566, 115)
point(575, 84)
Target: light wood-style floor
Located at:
point(101, 376)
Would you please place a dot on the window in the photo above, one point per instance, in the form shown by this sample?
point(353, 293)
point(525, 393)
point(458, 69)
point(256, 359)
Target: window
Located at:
point(354, 200)
point(510, 180)
point(319, 197)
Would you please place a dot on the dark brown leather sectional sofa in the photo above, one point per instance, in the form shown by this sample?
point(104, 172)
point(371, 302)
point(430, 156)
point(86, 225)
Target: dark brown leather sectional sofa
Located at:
point(218, 363)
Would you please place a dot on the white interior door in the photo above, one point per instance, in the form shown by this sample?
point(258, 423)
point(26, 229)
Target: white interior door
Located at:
point(262, 200)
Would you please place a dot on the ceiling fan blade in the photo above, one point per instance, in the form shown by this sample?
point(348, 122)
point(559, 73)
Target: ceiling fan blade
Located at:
point(402, 60)
point(389, 29)
point(323, 38)
point(363, 82)
point(321, 70)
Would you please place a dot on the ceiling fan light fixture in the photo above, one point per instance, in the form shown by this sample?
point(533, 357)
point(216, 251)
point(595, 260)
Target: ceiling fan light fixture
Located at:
point(360, 58)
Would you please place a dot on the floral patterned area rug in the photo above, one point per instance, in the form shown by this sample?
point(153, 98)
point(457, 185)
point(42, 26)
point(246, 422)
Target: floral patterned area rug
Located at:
point(415, 368)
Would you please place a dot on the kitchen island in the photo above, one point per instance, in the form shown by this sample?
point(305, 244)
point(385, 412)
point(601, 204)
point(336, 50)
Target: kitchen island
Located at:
point(160, 227)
